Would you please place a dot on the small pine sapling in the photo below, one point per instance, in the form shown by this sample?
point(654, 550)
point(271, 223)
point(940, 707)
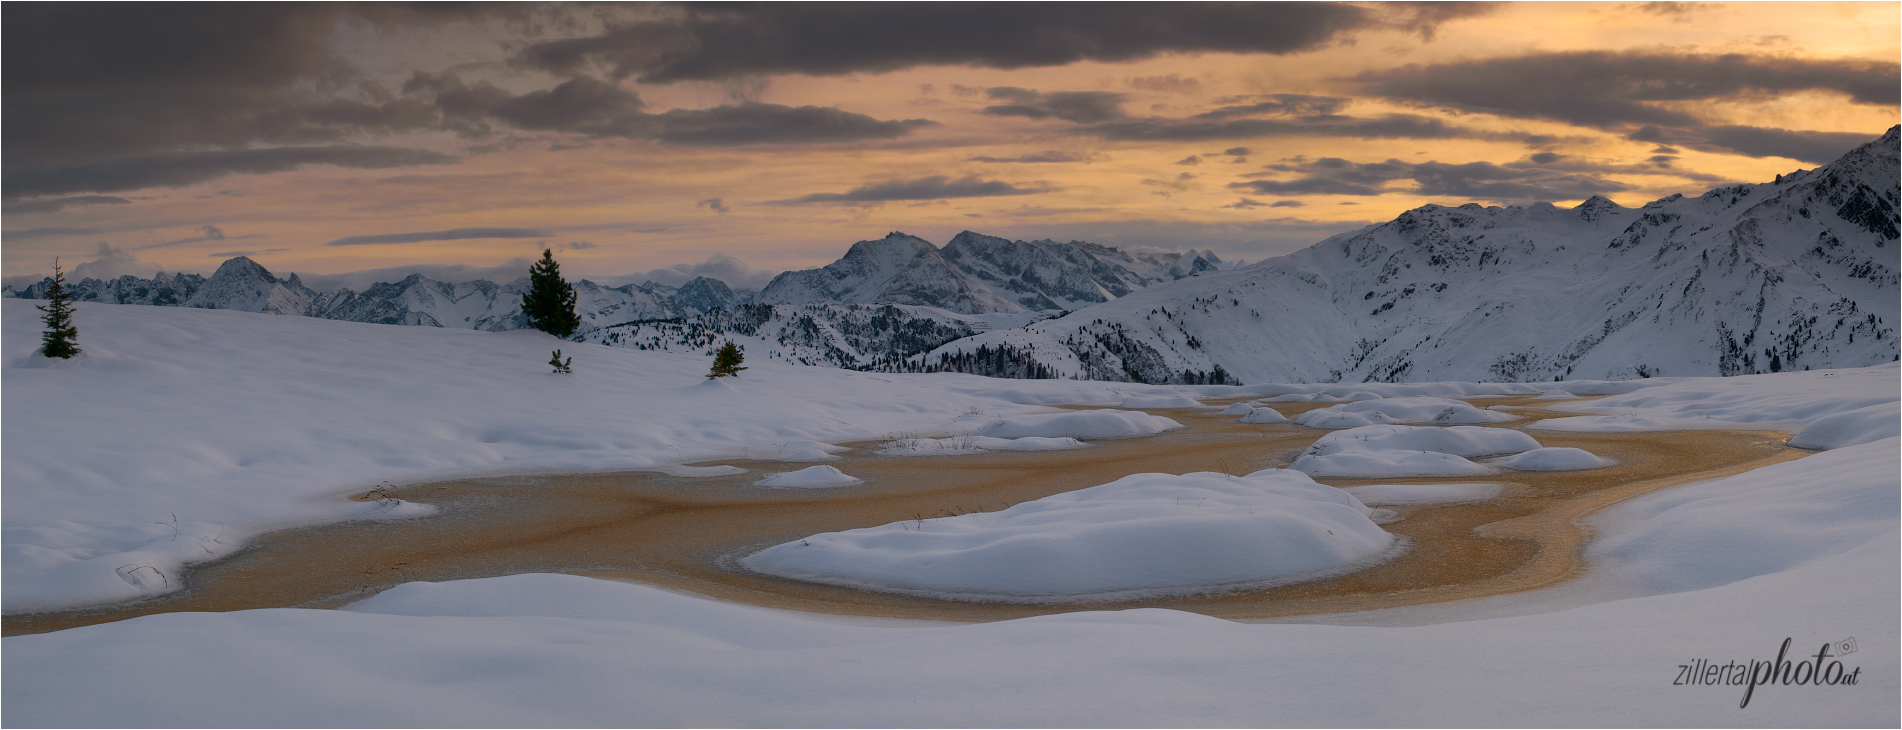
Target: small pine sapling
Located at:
point(57, 340)
point(560, 365)
point(727, 361)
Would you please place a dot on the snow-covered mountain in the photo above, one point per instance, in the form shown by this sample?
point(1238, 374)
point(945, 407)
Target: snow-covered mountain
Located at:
point(979, 274)
point(1795, 274)
point(851, 336)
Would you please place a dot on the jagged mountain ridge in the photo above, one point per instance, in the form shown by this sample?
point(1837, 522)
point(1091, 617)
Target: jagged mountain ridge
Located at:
point(979, 274)
point(1798, 273)
point(244, 285)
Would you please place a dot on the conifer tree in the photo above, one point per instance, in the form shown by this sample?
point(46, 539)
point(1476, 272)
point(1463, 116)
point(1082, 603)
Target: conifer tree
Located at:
point(727, 361)
point(57, 340)
point(560, 365)
point(549, 303)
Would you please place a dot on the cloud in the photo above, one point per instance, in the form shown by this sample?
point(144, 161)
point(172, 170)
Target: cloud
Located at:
point(721, 42)
point(1276, 105)
point(511, 270)
point(713, 204)
point(230, 254)
point(178, 169)
point(579, 245)
point(1605, 89)
point(55, 205)
point(1180, 183)
point(1082, 107)
point(1190, 160)
point(1171, 84)
point(458, 234)
point(212, 233)
point(1288, 204)
point(755, 123)
point(49, 232)
point(112, 263)
point(736, 273)
point(1472, 180)
point(1391, 126)
point(927, 188)
point(1816, 147)
point(1044, 156)
point(598, 108)
point(1246, 203)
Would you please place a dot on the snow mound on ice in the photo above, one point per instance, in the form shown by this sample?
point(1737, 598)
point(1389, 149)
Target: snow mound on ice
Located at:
point(1851, 428)
point(1264, 415)
point(1144, 534)
point(1762, 521)
point(1409, 451)
point(1160, 401)
point(1397, 494)
point(1412, 410)
point(811, 477)
point(1238, 409)
point(1617, 424)
point(1097, 424)
point(1304, 398)
point(1554, 458)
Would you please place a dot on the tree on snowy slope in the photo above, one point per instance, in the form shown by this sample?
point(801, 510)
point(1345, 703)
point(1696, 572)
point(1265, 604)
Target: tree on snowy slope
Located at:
point(57, 340)
point(549, 303)
point(727, 361)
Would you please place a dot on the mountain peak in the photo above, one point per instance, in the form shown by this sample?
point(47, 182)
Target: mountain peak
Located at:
point(1596, 207)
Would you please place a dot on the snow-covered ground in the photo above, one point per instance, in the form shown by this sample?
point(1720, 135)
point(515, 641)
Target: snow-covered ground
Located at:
point(237, 423)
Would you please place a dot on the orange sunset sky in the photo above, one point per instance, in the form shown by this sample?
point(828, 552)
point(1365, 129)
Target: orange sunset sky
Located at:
point(333, 138)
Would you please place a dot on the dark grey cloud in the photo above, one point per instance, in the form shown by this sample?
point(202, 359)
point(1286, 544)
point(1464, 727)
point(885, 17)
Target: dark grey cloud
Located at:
point(1172, 83)
point(1044, 156)
point(1082, 107)
point(205, 233)
point(1275, 105)
point(579, 245)
point(714, 204)
point(458, 234)
point(177, 169)
point(594, 107)
point(1190, 160)
point(726, 41)
point(1472, 180)
point(1654, 165)
point(1287, 204)
point(1391, 126)
point(1605, 89)
point(85, 82)
point(29, 234)
point(752, 123)
point(1816, 147)
point(1237, 151)
point(54, 205)
point(936, 187)
point(1245, 204)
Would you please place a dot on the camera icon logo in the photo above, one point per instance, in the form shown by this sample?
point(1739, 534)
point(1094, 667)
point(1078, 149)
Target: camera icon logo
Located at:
point(1845, 647)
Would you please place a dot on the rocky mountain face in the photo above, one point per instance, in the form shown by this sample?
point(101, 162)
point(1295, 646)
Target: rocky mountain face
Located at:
point(852, 336)
point(1795, 274)
point(979, 274)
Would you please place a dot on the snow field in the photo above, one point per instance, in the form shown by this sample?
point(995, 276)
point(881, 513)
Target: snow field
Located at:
point(1238, 409)
point(1144, 534)
point(182, 433)
point(811, 477)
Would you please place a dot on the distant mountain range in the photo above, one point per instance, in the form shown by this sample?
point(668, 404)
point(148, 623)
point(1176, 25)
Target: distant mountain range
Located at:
point(941, 294)
point(1794, 274)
